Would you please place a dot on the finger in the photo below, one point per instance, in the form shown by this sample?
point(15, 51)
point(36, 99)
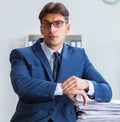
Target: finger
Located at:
point(69, 88)
point(64, 84)
point(67, 81)
point(69, 84)
point(74, 100)
point(72, 92)
point(85, 98)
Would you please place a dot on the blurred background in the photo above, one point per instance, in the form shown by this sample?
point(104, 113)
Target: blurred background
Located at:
point(97, 22)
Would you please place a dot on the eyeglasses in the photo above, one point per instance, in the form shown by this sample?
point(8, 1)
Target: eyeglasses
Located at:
point(56, 24)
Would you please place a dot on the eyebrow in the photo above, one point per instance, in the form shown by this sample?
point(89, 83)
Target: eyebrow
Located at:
point(52, 21)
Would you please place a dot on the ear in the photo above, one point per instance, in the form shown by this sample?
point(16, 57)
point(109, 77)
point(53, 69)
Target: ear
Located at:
point(41, 30)
point(67, 28)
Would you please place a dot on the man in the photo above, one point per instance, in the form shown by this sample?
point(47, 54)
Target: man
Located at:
point(45, 93)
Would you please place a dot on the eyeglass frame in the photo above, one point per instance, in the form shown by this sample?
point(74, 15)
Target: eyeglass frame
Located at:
point(53, 23)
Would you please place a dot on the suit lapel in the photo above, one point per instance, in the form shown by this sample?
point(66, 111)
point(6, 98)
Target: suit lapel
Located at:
point(43, 59)
point(65, 68)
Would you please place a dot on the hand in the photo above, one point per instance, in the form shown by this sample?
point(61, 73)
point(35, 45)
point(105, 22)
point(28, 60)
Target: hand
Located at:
point(71, 95)
point(74, 83)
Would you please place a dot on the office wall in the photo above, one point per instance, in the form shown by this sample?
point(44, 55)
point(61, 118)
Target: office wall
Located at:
point(97, 22)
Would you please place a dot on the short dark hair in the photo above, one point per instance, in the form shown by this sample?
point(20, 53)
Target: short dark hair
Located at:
point(52, 7)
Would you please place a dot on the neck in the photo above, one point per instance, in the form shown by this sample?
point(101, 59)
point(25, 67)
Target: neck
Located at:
point(54, 47)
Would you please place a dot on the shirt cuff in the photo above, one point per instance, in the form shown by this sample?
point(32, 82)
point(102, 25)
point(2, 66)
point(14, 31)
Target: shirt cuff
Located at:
point(91, 89)
point(58, 90)
point(78, 97)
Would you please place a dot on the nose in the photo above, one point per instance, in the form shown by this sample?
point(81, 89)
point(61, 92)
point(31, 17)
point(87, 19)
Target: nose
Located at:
point(52, 28)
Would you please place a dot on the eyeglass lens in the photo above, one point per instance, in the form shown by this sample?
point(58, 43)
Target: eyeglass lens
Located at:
point(57, 24)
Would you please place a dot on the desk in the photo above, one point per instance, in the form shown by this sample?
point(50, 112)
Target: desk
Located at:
point(99, 112)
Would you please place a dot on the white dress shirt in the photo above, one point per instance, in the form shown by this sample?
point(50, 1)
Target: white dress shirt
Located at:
point(49, 54)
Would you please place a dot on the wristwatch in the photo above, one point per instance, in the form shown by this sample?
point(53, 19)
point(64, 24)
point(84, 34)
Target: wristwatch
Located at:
point(111, 1)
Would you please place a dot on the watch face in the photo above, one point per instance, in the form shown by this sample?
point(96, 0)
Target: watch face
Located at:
point(111, 1)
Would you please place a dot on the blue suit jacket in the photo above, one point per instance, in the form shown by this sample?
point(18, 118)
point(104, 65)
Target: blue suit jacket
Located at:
point(32, 80)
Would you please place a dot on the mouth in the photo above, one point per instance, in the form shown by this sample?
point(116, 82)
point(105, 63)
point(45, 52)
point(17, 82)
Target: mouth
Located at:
point(52, 37)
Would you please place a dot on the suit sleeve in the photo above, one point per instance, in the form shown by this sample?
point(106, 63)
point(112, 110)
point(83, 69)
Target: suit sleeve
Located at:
point(103, 91)
point(24, 85)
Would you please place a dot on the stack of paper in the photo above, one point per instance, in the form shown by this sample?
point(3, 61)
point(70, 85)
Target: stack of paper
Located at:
point(99, 112)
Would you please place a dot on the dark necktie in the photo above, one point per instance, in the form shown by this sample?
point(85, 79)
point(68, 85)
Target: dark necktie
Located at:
point(56, 64)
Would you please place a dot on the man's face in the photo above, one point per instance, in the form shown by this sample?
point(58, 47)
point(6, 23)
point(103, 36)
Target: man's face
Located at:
point(54, 29)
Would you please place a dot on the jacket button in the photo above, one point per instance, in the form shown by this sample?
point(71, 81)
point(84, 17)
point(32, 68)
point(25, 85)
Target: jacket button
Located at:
point(50, 111)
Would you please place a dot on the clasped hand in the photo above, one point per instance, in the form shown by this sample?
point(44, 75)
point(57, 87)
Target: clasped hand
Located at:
point(73, 86)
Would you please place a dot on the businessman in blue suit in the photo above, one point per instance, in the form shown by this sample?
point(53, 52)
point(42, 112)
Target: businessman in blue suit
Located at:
point(42, 97)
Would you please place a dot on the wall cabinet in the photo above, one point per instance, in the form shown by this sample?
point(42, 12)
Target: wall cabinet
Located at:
point(74, 40)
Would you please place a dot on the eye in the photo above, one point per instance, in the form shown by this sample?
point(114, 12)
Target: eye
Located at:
point(58, 23)
point(45, 23)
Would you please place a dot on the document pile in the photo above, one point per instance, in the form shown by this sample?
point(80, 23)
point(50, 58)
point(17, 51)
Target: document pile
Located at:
point(99, 112)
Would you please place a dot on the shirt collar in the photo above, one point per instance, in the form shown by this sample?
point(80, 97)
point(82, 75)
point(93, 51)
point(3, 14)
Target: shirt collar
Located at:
point(48, 51)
